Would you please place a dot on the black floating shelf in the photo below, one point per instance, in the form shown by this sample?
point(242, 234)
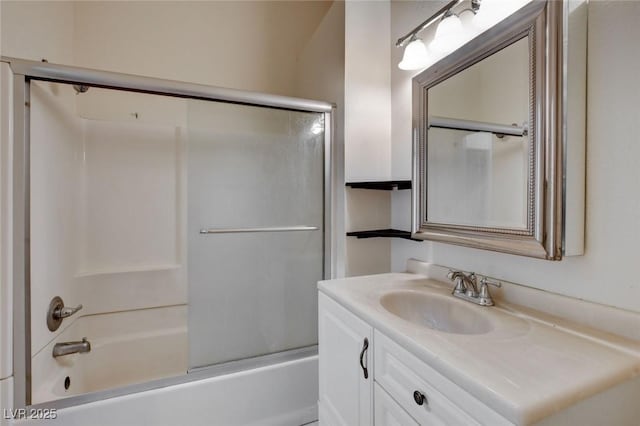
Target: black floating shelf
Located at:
point(384, 185)
point(385, 233)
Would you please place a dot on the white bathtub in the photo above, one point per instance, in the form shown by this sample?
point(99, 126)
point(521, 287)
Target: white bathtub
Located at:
point(281, 394)
point(153, 347)
point(126, 348)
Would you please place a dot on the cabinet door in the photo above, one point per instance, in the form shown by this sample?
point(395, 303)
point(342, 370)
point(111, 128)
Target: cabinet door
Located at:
point(388, 412)
point(346, 367)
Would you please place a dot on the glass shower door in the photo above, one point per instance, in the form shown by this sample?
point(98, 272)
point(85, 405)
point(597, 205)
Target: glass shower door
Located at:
point(255, 230)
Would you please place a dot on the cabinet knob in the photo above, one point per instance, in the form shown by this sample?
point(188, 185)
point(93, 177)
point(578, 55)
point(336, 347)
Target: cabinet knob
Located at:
point(419, 398)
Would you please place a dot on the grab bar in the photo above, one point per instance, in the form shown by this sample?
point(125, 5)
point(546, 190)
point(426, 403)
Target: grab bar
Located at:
point(266, 229)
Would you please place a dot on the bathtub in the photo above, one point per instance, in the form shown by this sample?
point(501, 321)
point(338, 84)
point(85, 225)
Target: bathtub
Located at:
point(135, 374)
point(126, 348)
point(281, 394)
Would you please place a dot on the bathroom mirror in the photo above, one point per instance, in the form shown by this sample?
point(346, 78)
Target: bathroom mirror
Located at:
point(479, 142)
point(490, 138)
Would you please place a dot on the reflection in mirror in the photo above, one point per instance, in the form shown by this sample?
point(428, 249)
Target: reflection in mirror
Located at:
point(478, 143)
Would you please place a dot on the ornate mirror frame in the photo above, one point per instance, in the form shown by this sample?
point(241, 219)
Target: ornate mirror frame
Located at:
point(542, 23)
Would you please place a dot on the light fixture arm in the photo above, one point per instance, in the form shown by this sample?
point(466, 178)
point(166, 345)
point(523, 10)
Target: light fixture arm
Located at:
point(438, 16)
point(403, 40)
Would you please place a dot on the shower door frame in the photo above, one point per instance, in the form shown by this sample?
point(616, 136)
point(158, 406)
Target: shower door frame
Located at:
point(23, 72)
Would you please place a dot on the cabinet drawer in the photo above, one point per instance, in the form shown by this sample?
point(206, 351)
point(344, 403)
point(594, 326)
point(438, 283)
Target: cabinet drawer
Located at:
point(401, 374)
point(387, 412)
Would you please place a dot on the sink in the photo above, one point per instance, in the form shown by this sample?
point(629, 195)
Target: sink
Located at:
point(435, 311)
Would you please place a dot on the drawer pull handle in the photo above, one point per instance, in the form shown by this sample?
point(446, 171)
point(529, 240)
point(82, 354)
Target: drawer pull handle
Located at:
point(365, 346)
point(419, 398)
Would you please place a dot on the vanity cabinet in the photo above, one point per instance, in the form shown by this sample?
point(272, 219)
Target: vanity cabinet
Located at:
point(345, 362)
point(398, 388)
point(426, 365)
point(426, 395)
point(387, 412)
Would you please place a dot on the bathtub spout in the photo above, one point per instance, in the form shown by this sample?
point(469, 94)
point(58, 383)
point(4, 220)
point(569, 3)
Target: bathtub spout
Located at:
point(67, 348)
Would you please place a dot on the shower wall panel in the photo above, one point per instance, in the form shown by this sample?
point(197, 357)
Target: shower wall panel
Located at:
point(134, 193)
point(56, 162)
point(108, 199)
point(129, 197)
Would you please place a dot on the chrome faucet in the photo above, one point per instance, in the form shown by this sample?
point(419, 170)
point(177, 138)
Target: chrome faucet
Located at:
point(67, 348)
point(466, 288)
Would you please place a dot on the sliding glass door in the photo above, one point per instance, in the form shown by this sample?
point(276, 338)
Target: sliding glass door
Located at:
point(255, 230)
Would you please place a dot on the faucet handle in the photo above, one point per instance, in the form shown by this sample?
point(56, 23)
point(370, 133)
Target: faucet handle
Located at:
point(57, 312)
point(452, 274)
point(65, 312)
point(484, 296)
point(484, 281)
point(460, 280)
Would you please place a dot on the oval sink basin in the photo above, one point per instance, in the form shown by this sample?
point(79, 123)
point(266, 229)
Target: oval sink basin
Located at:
point(438, 312)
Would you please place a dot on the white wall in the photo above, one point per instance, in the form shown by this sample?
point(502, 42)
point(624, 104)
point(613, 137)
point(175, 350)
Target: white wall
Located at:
point(367, 132)
point(367, 91)
point(605, 273)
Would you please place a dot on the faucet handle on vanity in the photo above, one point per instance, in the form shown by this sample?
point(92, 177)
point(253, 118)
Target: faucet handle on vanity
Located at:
point(484, 281)
point(485, 296)
point(458, 278)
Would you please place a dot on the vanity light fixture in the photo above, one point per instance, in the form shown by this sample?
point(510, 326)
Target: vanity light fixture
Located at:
point(450, 34)
point(416, 56)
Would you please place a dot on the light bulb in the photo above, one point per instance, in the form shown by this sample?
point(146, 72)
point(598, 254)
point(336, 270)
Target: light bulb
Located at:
point(415, 56)
point(450, 35)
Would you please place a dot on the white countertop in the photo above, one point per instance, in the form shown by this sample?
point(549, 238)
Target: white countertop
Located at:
point(525, 369)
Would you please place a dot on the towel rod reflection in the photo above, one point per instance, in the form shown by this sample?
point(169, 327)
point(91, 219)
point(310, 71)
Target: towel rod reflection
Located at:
point(477, 126)
point(266, 229)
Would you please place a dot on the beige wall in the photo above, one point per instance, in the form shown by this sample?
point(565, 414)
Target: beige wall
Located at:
point(250, 45)
point(605, 273)
point(37, 30)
